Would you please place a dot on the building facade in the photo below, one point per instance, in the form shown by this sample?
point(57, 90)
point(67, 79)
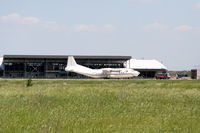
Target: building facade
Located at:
point(50, 66)
point(53, 66)
point(195, 74)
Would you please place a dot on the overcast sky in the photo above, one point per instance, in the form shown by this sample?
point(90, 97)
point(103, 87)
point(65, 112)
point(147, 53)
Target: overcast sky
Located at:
point(166, 30)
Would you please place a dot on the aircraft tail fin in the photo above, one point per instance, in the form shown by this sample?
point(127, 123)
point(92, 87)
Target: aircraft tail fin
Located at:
point(72, 66)
point(71, 61)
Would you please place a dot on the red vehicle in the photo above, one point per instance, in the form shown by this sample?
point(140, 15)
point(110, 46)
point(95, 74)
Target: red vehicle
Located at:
point(162, 76)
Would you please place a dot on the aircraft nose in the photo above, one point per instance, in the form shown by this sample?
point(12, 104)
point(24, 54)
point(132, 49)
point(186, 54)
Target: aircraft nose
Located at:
point(137, 73)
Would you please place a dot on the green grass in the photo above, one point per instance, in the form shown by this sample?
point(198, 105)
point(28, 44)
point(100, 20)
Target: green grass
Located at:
point(100, 106)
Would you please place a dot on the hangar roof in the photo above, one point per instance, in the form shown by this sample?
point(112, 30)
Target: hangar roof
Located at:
point(146, 64)
point(66, 56)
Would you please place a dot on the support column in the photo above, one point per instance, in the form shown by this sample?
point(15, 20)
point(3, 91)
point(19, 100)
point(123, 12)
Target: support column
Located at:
point(4, 73)
point(25, 73)
point(45, 68)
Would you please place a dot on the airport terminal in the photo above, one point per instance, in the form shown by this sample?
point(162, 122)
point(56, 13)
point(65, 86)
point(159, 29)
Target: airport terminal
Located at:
point(53, 66)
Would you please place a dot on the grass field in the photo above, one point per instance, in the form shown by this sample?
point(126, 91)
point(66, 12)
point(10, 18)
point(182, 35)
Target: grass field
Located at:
point(100, 106)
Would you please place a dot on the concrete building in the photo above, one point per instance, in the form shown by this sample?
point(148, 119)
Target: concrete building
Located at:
point(52, 66)
point(195, 74)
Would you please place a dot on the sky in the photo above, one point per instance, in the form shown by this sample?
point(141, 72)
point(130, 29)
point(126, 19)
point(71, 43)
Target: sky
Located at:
point(165, 30)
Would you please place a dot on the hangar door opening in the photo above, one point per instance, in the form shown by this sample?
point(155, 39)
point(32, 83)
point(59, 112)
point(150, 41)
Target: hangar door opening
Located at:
point(147, 74)
point(35, 70)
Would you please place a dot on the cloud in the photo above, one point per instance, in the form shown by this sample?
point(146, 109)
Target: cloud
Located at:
point(51, 25)
point(164, 27)
point(94, 28)
point(14, 17)
point(19, 19)
point(197, 5)
point(156, 26)
point(184, 28)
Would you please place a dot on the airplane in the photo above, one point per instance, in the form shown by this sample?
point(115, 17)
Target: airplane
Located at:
point(72, 66)
point(1, 63)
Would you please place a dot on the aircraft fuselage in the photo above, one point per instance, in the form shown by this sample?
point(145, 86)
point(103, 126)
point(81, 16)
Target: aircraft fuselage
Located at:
point(72, 66)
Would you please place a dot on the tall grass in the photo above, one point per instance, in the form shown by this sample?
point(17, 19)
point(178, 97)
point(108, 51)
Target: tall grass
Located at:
point(100, 106)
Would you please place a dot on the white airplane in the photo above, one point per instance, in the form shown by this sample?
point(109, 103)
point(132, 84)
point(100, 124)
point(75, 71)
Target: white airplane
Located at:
point(1, 63)
point(72, 66)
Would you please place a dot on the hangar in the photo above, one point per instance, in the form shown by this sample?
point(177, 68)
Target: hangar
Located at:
point(52, 66)
point(147, 68)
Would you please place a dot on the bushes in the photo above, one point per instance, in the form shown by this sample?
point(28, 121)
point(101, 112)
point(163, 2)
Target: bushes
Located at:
point(29, 82)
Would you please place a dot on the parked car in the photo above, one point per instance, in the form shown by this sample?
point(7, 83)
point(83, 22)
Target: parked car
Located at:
point(181, 75)
point(162, 76)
